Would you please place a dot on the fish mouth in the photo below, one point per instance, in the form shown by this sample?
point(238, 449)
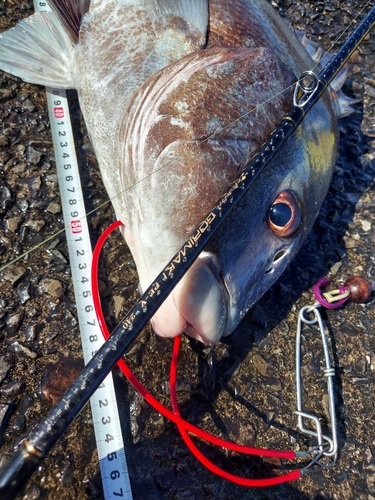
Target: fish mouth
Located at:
point(198, 305)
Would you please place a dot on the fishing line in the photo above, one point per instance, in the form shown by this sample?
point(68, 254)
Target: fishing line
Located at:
point(289, 87)
point(334, 43)
point(61, 231)
point(122, 192)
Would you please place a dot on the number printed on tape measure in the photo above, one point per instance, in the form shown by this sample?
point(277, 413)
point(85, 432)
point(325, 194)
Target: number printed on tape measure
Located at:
point(112, 459)
point(108, 433)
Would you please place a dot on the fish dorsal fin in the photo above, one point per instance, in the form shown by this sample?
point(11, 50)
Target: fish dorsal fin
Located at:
point(194, 12)
point(70, 13)
point(38, 50)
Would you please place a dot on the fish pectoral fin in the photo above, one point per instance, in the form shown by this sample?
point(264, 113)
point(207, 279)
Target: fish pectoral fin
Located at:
point(193, 12)
point(38, 50)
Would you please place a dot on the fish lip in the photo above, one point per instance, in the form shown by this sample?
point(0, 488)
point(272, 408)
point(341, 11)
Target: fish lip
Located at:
point(213, 264)
point(169, 324)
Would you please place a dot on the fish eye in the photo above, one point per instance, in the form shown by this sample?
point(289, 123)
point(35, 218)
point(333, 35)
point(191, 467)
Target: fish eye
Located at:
point(284, 216)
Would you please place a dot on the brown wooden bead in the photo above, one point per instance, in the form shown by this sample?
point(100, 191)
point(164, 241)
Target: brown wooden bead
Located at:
point(360, 289)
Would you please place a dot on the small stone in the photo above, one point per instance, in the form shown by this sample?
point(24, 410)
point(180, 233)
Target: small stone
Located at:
point(360, 380)
point(4, 157)
point(5, 197)
point(366, 225)
point(273, 383)
point(31, 332)
point(54, 208)
point(4, 141)
point(340, 477)
point(337, 184)
point(23, 205)
point(53, 287)
point(34, 183)
point(353, 198)
point(13, 322)
point(13, 223)
point(283, 328)
point(349, 242)
point(20, 421)
point(335, 268)
point(40, 127)
point(11, 390)
point(35, 225)
point(53, 179)
point(19, 168)
point(6, 94)
point(310, 368)
point(135, 353)
point(5, 458)
point(52, 335)
point(6, 363)
point(24, 292)
point(22, 350)
point(164, 387)
point(317, 29)
point(118, 303)
point(13, 274)
point(32, 493)
point(326, 404)
point(20, 148)
point(59, 256)
point(264, 368)
point(28, 105)
point(48, 351)
point(4, 408)
point(33, 156)
point(53, 244)
point(70, 319)
point(286, 3)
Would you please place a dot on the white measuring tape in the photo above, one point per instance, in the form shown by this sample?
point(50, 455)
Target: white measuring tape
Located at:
point(112, 459)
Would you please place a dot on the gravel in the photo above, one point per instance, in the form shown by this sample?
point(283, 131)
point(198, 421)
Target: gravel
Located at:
point(243, 389)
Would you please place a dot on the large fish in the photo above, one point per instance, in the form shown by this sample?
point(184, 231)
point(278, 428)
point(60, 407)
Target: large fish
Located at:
point(168, 90)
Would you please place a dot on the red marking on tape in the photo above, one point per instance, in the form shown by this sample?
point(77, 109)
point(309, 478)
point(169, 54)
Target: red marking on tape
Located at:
point(58, 112)
point(76, 226)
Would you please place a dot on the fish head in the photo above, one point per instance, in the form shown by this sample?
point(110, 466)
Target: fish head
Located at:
point(190, 130)
point(267, 228)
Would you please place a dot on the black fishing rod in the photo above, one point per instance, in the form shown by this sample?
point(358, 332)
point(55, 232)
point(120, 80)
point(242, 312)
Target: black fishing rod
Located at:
point(32, 451)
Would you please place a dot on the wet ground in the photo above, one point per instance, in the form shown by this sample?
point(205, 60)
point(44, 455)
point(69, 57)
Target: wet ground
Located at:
point(243, 389)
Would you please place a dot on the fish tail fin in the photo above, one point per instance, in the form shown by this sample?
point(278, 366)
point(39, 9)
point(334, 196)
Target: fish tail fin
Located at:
point(39, 50)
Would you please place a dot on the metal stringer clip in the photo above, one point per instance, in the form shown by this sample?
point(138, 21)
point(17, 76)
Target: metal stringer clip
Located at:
point(326, 446)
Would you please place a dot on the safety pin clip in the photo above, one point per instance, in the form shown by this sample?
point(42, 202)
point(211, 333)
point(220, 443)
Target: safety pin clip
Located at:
point(326, 446)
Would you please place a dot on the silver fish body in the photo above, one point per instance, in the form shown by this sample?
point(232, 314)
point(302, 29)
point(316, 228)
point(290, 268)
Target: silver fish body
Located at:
point(170, 94)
